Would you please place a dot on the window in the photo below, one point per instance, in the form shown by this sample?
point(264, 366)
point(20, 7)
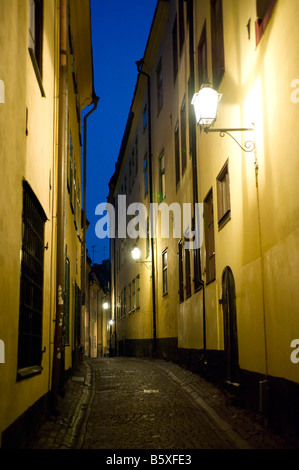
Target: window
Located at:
point(74, 195)
point(197, 269)
point(162, 176)
point(264, 10)
point(202, 58)
point(136, 156)
point(164, 272)
point(223, 196)
point(35, 45)
point(123, 303)
point(138, 291)
point(183, 136)
point(188, 273)
point(177, 154)
point(31, 284)
point(175, 48)
point(130, 298)
point(159, 86)
point(67, 301)
point(130, 173)
point(181, 270)
point(133, 295)
point(70, 182)
point(78, 304)
point(209, 237)
point(196, 263)
point(181, 24)
point(144, 117)
point(217, 42)
point(191, 115)
point(78, 206)
point(147, 249)
point(145, 173)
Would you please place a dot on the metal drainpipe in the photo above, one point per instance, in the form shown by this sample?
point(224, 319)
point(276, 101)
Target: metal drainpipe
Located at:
point(83, 269)
point(139, 67)
point(194, 154)
point(58, 355)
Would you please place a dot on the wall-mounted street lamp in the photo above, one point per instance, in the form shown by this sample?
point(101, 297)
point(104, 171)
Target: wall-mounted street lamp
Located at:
point(105, 305)
point(205, 104)
point(136, 255)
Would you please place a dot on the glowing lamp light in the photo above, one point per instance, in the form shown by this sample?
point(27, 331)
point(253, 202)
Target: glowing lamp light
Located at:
point(105, 305)
point(205, 104)
point(136, 254)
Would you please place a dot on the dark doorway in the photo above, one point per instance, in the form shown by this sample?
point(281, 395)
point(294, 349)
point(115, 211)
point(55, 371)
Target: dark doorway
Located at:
point(230, 326)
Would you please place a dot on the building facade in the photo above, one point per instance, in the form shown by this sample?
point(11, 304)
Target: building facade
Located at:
point(227, 308)
point(47, 80)
point(98, 309)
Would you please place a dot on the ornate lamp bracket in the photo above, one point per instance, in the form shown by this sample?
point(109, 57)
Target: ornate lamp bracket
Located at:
point(249, 145)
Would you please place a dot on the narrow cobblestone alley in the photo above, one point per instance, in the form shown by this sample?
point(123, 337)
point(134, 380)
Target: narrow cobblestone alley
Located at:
point(128, 403)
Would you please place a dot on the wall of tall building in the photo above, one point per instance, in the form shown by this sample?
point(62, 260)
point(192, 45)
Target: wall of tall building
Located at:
point(227, 310)
point(27, 154)
point(30, 134)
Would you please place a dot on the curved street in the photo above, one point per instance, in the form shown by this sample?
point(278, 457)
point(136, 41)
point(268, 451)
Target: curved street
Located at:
point(131, 403)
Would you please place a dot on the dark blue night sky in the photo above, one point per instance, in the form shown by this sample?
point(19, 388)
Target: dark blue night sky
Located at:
point(120, 31)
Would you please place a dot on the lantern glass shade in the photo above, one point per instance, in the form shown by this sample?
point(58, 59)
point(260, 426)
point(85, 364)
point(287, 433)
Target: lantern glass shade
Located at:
point(136, 253)
point(205, 104)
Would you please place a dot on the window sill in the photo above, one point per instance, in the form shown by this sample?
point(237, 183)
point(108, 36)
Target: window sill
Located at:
point(28, 372)
point(224, 219)
point(37, 72)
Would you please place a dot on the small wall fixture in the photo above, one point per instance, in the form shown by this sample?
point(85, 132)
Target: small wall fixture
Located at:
point(136, 254)
point(205, 104)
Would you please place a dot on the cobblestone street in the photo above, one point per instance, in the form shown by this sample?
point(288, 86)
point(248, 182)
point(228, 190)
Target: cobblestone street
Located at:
point(126, 403)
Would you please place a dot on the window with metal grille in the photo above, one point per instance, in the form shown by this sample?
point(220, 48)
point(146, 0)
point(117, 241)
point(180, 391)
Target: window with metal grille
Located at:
point(31, 285)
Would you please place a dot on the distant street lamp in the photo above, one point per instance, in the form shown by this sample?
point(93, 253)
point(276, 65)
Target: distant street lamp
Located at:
point(136, 254)
point(105, 305)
